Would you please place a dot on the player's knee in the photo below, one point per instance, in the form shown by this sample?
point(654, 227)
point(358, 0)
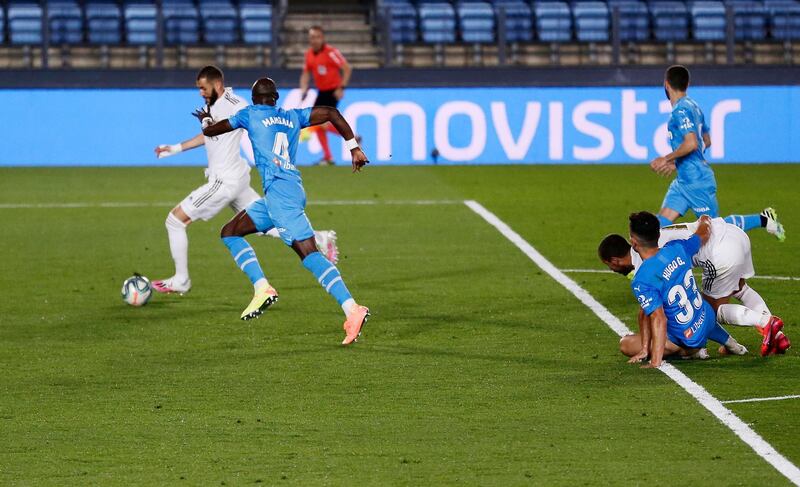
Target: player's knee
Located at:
point(228, 230)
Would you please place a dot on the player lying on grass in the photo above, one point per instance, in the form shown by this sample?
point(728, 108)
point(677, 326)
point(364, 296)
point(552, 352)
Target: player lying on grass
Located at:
point(673, 319)
point(228, 183)
point(695, 187)
point(274, 133)
point(726, 262)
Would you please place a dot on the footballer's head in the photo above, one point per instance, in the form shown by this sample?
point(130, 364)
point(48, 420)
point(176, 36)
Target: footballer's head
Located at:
point(211, 83)
point(645, 230)
point(316, 38)
point(676, 79)
point(265, 92)
point(615, 252)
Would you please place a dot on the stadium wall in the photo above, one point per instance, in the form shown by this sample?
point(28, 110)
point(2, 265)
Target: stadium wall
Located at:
point(69, 124)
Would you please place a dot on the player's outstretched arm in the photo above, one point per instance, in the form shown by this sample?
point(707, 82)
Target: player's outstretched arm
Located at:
point(218, 128)
point(665, 166)
point(658, 327)
point(166, 150)
point(320, 115)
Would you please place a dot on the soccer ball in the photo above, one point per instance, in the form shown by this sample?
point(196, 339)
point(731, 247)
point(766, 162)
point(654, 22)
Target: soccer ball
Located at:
point(136, 290)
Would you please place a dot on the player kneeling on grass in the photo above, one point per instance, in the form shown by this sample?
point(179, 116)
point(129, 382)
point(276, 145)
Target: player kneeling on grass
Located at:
point(274, 133)
point(674, 319)
point(726, 262)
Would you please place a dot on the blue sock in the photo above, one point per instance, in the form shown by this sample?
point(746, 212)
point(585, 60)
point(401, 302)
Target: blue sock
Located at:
point(664, 220)
point(328, 276)
point(245, 257)
point(745, 222)
point(719, 335)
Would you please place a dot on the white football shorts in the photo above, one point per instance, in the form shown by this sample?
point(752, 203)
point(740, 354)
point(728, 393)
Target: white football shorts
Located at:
point(731, 261)
point(205, 202)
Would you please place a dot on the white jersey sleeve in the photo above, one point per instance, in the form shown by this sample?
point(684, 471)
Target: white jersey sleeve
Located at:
point(224, 157)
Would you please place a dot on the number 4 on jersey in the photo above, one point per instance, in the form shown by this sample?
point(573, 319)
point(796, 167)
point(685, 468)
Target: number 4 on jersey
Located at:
point(281, 149)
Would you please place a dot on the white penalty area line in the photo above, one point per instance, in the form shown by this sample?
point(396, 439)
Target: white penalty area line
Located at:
point(606, 271)
point(159, 204)
point(712, 404)
point(762, 399)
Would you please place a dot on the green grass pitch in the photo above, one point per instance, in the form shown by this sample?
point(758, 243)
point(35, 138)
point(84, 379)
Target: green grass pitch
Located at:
point(475, 369)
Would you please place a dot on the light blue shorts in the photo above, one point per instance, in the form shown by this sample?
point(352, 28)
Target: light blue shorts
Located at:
point(700, 198)
point(283, 208)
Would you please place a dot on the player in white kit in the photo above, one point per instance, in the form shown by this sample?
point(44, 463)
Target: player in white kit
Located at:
point(726, 262)
point(228, 185)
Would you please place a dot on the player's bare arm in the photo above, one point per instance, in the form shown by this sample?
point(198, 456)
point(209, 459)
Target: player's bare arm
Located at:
point(706, 140)
point(166, 150)
point(665, 165)
point(320, 115)
point(658, 327)
point(645, 337)
point(218, 128)
point(704, 228)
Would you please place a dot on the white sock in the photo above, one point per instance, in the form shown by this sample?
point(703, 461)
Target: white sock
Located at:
point(736, 314)
point(750, 298)
point(261, 283)
point(178, 246)
point(347, 307)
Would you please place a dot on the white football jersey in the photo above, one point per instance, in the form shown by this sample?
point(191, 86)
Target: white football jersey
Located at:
point(224, 158)
point(682, 231)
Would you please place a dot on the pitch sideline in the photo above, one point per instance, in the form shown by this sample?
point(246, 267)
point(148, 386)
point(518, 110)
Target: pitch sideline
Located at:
point(712, 404)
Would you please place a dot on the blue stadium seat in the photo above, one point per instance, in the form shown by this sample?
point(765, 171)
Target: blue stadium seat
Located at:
point(437, 23)
point(553, 21)
point(519, 23)
point(591, 21)
point(140, 23)
point(402, 19)
point(634, 21)
point(103, 23)
point(749, 20)
point(181, 22)
point(670, 20)
point(25, 23)
point(476, 19)
point(2, 24)
point(784, 19)
point(708, 20)
point(220, 22)
point(256, 23)
point(66, 22)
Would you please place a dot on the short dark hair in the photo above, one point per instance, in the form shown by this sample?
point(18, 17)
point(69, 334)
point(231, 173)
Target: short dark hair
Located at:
point(211, 73)
point(678, 77)
point(646, 228)
point(613, 245)
point(318, 28)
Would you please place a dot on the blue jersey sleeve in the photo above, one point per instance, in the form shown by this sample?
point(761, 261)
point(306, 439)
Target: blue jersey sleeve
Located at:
point(691, 245)
point(703, 126)
point(682, 119)
point(239, 120)
point(303, 116)
point(648, 296)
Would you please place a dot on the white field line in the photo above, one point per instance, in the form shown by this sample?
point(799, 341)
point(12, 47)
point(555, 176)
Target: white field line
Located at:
point(761, 399)
point(712, 404)
point(606, 271)
point(122, 204)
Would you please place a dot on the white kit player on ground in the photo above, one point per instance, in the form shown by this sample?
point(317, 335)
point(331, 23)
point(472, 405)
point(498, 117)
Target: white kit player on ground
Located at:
point(228, 183)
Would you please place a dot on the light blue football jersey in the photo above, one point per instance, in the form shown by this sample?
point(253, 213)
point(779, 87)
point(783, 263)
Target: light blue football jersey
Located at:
point(666, 280)
point(274, 133)
point(687, 118)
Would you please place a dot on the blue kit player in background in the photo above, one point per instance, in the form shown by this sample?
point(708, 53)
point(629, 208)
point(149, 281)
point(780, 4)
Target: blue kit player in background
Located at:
point(274, 133)
point(695, 187)
point(674, 318)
